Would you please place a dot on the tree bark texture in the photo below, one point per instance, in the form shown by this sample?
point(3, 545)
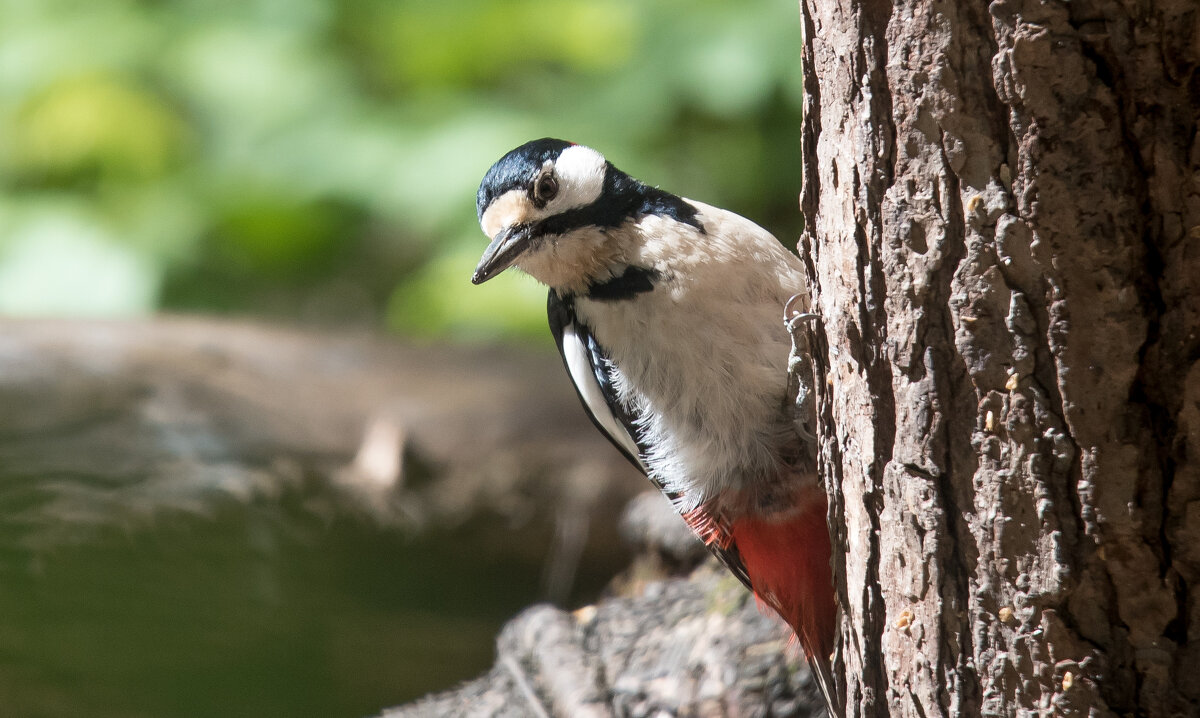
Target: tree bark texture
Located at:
point(1003, 239)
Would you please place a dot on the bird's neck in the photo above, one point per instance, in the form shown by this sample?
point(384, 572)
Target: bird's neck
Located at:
point(572, 264)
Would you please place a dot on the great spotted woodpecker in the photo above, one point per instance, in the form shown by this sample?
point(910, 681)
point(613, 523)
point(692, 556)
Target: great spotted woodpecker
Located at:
point(669, 317)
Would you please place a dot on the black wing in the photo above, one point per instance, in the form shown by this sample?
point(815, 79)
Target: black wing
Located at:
point(591, 373)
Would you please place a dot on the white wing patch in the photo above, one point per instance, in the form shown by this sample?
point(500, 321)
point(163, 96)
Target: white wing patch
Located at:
point(579, 366)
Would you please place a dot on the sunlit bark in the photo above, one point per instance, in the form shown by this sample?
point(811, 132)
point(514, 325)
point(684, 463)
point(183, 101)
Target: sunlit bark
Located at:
point(1003, 236)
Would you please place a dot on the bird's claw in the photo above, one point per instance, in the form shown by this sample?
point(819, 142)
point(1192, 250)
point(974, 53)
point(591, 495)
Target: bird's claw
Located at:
point(792, 316)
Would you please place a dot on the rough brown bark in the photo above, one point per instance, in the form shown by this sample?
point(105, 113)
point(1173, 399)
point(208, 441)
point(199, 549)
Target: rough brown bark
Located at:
point(1003, 236)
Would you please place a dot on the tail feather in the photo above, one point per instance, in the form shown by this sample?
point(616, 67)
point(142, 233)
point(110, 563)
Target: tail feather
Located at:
point(822, 672)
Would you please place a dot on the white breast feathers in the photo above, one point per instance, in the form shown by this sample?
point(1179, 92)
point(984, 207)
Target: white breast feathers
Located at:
point(702, 359)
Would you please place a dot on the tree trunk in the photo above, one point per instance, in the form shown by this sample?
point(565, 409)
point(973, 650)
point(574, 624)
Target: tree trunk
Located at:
point(1003, 240)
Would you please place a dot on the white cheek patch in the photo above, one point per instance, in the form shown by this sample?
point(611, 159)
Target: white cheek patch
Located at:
point(580, 172)
point(510, 208)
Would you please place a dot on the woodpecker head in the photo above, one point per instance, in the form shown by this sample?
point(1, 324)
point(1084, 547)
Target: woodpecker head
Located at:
point(557, 211)
point(531, 202)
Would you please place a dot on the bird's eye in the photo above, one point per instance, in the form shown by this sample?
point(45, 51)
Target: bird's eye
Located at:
point(545, 189)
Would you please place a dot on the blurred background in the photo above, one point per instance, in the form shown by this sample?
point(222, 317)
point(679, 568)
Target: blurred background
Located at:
point(313, 163)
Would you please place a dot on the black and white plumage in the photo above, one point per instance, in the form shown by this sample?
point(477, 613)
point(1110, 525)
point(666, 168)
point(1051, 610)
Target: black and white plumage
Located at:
point(681, 300)
point(668, 314)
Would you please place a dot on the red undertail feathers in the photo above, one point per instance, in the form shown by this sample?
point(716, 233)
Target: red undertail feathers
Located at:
point(787, 559)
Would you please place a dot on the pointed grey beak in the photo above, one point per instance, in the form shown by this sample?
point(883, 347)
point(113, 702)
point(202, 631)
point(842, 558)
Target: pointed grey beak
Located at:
point(508, 244)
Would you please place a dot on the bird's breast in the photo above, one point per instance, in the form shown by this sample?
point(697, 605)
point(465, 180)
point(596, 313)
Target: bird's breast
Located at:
point(704, 367)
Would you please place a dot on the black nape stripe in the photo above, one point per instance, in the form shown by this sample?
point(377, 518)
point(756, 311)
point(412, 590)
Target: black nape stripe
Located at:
point(668, 205)
point(623, 199)
point(634, 281)
point(641, 199)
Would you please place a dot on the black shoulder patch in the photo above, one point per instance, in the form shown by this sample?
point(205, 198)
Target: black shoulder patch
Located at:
point(656, 201)
point(634, 281)
point(642, 199)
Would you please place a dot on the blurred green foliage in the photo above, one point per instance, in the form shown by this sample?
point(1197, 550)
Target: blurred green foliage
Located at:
point(316, 160)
